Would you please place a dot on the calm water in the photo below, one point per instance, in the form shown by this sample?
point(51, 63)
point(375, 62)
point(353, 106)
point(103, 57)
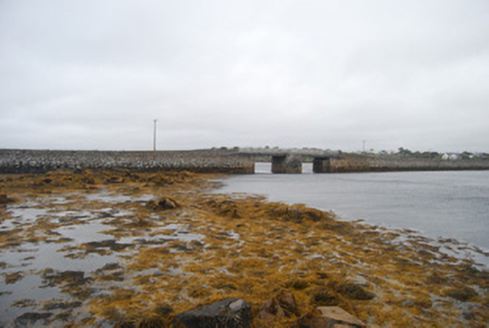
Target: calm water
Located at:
point(437, 204)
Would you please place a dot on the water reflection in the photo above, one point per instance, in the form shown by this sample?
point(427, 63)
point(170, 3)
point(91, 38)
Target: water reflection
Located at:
point(54, 247)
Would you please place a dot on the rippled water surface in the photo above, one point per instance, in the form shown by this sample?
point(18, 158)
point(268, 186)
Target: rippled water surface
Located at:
point(453, 204)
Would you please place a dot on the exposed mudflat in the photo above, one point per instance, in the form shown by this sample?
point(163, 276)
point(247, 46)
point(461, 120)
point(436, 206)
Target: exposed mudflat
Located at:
point(114, 248)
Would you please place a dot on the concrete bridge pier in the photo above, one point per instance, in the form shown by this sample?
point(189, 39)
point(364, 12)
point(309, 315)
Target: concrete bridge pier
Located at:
point(286, 164)
point(322, 165)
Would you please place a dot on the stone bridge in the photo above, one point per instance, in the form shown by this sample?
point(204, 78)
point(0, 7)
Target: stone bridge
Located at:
point(350, 163)
point(323, 164)
point(293, 164)
point(220, 161)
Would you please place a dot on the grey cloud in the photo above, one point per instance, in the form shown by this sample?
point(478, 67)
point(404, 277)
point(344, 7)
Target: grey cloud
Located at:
point(94, 74)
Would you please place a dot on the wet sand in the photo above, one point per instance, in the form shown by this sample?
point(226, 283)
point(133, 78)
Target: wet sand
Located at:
point(120, 248)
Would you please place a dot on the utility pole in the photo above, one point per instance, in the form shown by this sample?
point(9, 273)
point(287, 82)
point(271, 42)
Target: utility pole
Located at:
point(154, 136)
point(363, 145)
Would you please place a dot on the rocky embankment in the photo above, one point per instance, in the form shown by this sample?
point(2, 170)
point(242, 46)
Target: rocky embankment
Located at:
point(202, 161)
point(142, 249)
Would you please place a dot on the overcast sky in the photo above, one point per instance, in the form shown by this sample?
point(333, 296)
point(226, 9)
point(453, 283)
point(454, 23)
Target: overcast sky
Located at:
point(326, 74)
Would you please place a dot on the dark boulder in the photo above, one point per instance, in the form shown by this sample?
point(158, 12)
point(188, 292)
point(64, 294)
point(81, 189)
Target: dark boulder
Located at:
point(228, 313)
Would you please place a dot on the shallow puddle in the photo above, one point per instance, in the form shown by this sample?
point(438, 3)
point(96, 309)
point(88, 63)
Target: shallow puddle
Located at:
point(66, 237)
point(110, 197)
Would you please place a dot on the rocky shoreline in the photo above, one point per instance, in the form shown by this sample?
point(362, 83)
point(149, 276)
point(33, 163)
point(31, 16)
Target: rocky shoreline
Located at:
point(125, 248)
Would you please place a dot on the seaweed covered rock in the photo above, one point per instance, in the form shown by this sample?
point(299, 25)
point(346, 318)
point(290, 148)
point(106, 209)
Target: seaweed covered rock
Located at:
point(226, 208)
point(228, 313)
point(324, 297)
point(354, 292)
point(299, 213)
point(461, 294)
point(3, 199)
point(329, 316)
point(162, 204)
point(32, 318)
point(73, 278)
point(281, 306)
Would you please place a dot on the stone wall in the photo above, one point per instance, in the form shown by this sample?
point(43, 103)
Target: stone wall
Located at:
point(415, 164)
point(354, 163)
point(39, 161)
point(340, 164)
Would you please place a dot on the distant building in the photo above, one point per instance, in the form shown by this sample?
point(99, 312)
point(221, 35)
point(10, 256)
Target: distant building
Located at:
point(450, 157)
